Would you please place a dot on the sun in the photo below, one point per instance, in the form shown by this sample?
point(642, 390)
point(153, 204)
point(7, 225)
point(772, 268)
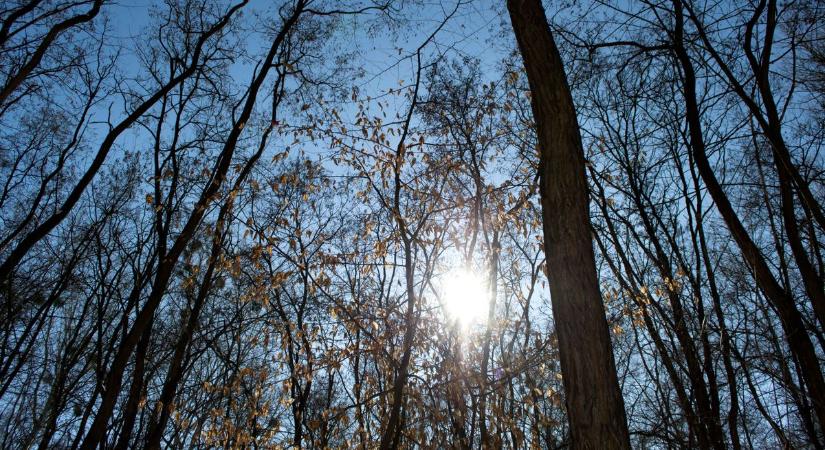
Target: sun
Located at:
point(465, 296)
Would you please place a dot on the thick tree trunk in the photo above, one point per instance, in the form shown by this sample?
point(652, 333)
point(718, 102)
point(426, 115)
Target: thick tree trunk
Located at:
point(594, 402)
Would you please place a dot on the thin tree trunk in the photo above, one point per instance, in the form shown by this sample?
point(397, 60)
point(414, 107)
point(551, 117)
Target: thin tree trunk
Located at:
point(792, 322)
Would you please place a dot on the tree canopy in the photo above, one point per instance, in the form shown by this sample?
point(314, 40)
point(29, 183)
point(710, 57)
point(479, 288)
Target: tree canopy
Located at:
point(412, 224)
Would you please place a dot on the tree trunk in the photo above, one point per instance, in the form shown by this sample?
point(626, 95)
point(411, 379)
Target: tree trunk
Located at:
point(594, 401)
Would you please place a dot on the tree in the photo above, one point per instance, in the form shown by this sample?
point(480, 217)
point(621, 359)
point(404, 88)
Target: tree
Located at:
point(594, 401)
point(321, 224)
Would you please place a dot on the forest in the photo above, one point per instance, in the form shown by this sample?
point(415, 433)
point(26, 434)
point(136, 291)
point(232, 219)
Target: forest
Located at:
point(412, 224)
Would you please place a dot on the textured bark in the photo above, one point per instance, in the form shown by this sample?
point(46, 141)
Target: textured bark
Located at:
point(594, 402)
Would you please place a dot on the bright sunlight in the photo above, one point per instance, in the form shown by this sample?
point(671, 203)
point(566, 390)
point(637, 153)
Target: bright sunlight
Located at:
point(465, 296)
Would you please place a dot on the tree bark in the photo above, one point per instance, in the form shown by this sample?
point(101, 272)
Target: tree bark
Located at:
point(595, 407)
